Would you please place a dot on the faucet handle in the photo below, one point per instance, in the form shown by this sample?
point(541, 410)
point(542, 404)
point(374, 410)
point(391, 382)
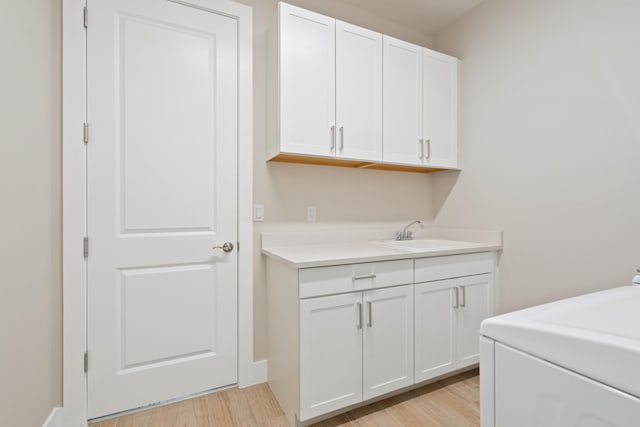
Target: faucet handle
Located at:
point(409, 235)
point(399, 235)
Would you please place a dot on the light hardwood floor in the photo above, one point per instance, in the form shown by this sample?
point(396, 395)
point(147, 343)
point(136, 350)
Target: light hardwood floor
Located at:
point(452, 402)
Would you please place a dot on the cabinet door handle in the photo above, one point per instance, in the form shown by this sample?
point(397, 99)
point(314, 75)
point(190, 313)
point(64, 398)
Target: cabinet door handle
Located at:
point(421, 142)
point(457, 298)
point(464, 297)
point(359, 324)
point(370, 322)
point(428, 141)
point(341, 138)
point(333, 137)
point(366, 276)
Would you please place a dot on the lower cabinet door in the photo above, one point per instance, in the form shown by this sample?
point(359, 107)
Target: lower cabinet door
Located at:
point(435, 328)
point(388, 340)
point(330, 353)
point(475, 306)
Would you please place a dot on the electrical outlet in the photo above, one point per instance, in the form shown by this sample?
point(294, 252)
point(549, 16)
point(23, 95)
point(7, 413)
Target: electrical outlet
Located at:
point(312, 213)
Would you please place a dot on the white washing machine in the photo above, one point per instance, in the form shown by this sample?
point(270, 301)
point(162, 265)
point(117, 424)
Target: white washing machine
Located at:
point(570, 363)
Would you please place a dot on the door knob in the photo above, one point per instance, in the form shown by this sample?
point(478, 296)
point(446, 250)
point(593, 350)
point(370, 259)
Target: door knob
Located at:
point(227, 247)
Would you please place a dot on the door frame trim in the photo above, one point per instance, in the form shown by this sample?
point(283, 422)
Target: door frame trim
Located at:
point(74, 201)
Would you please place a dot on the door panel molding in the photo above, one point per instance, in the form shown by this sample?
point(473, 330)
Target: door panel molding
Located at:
point(75, 201)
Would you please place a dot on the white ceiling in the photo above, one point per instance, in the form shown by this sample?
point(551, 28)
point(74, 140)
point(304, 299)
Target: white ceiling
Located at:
point(425, 16)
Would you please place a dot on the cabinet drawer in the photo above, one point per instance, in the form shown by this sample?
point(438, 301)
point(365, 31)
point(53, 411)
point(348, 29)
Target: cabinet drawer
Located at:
point(354, 277)
point(447, 267)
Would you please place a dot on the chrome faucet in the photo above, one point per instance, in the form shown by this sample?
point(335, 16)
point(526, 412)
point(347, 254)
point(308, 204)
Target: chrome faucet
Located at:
point(405, 234)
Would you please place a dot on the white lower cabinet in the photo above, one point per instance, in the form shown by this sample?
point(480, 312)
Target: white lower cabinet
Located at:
point(342, 335)
point(330, 354)
point(448, 317)
point(354, 347)
point(387, 357)
point(435, 329)
point(475, 306)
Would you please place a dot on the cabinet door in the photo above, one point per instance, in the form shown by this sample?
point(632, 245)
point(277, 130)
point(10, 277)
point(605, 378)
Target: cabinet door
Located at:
point(402, 102)
point(307, 82)
point(435, 328)
point(358, 92)
point(475, 306)
point(330, 353)
point(388, 340)
point(440, 109)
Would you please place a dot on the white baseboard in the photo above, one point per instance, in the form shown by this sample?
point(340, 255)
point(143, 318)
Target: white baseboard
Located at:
point(55, 418)
point(260, 371)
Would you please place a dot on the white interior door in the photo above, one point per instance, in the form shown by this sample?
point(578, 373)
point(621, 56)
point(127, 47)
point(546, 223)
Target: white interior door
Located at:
point(162, 190)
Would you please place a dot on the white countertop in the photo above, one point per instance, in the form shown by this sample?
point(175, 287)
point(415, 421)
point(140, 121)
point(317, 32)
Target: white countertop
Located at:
point(318, 249)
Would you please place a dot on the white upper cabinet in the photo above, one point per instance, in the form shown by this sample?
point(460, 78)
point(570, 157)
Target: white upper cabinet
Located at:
point(328, 87)
point(306, 81)
point(440, 108)
point(402, 110)
point(358, 92)
point(344, 95)
point(420, 106)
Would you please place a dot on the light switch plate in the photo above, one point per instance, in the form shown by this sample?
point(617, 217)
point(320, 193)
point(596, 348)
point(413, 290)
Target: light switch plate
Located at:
point(258, 213)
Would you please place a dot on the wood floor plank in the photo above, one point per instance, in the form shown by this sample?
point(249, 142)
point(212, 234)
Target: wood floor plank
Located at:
point(186, 414)
point(452, 402)
point(218, 411)
point(201, 412)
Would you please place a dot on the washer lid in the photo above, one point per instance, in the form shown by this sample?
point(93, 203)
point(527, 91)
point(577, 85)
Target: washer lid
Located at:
point(597, 335)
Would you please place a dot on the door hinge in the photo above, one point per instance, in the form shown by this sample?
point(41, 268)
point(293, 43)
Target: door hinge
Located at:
point(238, 246)
point(85, 133)
point(86, 362)
point(85, 17)
point(85, 247)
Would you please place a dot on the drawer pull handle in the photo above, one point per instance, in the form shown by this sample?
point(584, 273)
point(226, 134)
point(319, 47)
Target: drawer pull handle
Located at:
point(359, 324)
point(464, 298)
point(370, 322)
point(368, 276)
point(457, 298)
point(333, 137)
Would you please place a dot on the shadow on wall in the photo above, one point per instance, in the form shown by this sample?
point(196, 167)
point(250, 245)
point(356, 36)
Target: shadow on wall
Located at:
point(443, 187)
point(344, 194)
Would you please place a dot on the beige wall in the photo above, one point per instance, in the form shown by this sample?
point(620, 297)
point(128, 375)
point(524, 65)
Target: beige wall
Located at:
point(550, 142)
point(341, 195)
point(30, 211)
